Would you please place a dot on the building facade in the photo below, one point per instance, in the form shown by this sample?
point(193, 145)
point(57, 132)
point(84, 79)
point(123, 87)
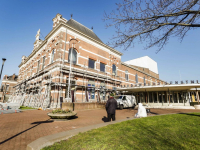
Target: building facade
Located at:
point(73, 64)
point(7, 87)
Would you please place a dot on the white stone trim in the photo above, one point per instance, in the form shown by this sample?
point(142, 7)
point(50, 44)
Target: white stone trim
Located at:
point(72, 33)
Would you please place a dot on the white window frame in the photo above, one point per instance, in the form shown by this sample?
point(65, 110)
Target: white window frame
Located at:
point(52, 53)
point(126, 75)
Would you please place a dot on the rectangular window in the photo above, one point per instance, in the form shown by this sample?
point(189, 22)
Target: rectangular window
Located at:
point(7, 87)
point(114, 70)
point(102, 67)
point(38, 67)
point(2, 88)
point(31, 70)
point(43, 63)
point(91, 91)
point(126, 76)
point(91, 63)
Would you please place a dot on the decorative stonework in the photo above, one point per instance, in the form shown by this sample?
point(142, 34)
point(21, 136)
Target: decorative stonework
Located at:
point(37, 40)
point(57, 19)
point(23, 58)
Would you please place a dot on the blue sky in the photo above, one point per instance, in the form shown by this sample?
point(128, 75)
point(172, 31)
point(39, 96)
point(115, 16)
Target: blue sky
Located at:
point(21, 19)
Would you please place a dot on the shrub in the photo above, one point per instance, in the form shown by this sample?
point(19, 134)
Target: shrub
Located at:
point(194, 103)
point(61, 111)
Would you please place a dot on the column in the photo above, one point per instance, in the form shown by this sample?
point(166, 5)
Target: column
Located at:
point(177, 97)
point(189, 100)
point(197, 94)
point(146, 97)
point(157, 98)
point(152, 97)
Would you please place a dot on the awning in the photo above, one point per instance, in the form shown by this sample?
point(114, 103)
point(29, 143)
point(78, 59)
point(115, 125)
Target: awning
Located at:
point(174, 87)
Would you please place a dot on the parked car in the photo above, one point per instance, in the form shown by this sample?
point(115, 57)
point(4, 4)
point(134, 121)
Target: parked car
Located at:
point(125, 101)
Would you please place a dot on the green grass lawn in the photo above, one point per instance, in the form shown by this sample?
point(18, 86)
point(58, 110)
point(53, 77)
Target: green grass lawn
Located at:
point(178, 131)
point(25, 107)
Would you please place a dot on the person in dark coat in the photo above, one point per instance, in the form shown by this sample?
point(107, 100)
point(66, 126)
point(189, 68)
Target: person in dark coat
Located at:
point(111, 106)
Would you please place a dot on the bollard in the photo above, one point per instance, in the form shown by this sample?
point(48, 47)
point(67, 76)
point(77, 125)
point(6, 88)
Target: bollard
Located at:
point(15, 111)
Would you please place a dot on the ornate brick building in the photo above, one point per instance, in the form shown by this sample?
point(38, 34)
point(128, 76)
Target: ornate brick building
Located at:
point(46, 76)
point(7, 87)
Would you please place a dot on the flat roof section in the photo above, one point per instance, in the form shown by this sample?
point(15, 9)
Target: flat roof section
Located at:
point(174, 87)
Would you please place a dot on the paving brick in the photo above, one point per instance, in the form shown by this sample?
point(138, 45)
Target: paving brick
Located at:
point(18, 130)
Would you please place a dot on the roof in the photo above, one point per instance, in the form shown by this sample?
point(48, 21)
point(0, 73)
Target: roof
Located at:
point(175, 87)
point(145, 62)
point(76, 25)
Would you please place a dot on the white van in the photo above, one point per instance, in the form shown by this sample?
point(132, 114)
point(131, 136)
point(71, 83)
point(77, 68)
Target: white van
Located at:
point(125, 101)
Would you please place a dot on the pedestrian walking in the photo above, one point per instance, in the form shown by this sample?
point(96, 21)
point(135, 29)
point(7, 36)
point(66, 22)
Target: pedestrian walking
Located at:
point(111, 106)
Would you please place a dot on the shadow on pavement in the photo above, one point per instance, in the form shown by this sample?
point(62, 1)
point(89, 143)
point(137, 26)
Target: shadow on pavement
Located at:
point(37, 123)
point(105, 119)
point(153, 113)
point(73, 117)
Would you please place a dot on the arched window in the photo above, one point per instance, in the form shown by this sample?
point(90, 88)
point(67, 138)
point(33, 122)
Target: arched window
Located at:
point(126, 75)
point(144, 81)
point(114, 70)
point(74, 56)
point(136, 78)
point(52, 56)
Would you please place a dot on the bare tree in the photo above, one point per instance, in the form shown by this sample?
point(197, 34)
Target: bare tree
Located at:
point(152, 21)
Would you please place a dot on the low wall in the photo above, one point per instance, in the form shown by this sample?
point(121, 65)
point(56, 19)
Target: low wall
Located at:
point(167, 104)
point(83, 106)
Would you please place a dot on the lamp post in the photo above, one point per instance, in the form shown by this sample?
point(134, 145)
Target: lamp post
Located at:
point(3, 61)
point(70, 68)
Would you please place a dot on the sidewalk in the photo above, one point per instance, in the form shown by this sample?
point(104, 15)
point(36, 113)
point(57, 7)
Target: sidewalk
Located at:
point(20, 129)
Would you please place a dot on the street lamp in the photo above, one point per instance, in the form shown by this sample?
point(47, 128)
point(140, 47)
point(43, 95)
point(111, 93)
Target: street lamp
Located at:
point(3, 61)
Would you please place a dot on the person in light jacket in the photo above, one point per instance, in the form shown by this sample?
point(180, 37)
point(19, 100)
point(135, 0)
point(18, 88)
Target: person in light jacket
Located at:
point(111, 106)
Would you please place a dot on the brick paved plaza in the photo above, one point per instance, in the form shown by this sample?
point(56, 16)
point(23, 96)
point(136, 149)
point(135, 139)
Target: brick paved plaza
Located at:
point(20, 129)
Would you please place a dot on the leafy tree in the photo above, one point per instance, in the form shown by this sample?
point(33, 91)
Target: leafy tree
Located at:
point(152, 21)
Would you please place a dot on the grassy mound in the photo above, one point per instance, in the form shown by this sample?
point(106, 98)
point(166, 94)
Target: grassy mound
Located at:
point(178, 131)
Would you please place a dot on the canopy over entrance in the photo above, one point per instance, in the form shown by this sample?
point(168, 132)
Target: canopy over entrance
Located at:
point(174, 87)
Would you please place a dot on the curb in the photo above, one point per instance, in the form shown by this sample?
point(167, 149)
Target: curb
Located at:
point(53, 138)
point(57, 137)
